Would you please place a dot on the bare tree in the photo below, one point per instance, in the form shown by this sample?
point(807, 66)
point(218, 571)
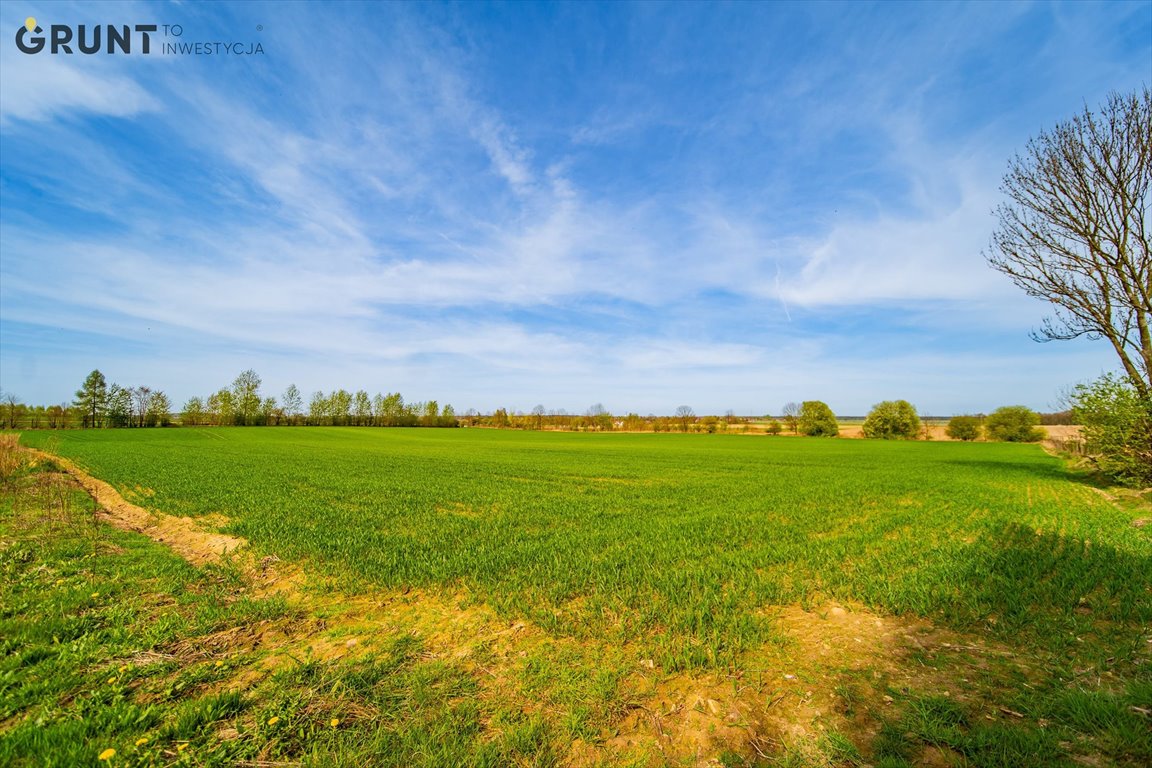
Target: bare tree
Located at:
point(791, 414)
point(293, 403)
point(685, 415)
point(1075, 229)
point(11, 408)
point(142, 399)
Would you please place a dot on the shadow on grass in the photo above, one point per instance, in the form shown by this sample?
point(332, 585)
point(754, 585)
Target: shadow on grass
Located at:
point(1052, 588)
point(1040, 470)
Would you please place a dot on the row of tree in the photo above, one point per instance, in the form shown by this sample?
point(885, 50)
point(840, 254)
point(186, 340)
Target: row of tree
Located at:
point(898, 420)
point(599, 419)
point(99, 405)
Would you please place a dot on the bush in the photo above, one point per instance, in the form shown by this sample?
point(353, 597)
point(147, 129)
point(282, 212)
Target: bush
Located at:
point(1117, 428)
point(963, 428)
point(892, 420)
point(817, 420)
point(1014, 424)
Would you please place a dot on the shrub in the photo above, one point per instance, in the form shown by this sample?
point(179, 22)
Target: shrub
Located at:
point(1014, 424)
point(774, 427)
point(1117, 428)
point(963, 428)
point(892, 420)
point(817, 420)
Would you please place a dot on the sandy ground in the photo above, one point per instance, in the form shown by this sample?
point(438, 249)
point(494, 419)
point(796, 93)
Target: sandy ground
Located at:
point(1055, 432)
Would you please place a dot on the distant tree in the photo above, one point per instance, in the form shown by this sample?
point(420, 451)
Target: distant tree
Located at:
point(246, 396)
point(925, 430)
point(633, 422)
point(448, 417)
point(685, 416)
point(141, 403)
point(221, 408)
point(57, 416)
point(1075, 230)
point(1116, 423)
point(430, 415)
point(318, 408)
point(892, 420)
point(599, 418)
point(1058, 417)
point(538, 417)
point(119, 406)
point(963, 427)
point(293, 404)
point(392, 413)
point(159, 410)
point(193, 413)
point(817, 420)
point(774, 427)
point(362, 408)
point(270, 412)
point(12, 409)
point(92, 398)
point(791, 415)
point(340, 406)
point(1014, 424)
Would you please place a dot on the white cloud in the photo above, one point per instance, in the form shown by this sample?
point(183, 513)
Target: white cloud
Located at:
point(36, 88)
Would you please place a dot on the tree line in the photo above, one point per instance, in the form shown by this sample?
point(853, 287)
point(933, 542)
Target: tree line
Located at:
point(98, 404)
point(243, 405)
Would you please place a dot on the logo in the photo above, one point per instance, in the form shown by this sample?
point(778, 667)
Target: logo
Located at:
point(122, 38)
point(62, 38)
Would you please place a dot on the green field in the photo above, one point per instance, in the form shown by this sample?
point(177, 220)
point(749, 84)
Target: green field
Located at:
point(681, 549)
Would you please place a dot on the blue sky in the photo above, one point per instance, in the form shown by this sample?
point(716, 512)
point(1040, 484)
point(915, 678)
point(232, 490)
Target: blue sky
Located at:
point(504, 205)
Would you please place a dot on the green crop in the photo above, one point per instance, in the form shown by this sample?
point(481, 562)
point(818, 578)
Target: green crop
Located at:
point(674, 542)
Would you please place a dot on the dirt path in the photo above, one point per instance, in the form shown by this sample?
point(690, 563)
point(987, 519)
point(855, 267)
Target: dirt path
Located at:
point(193, 540)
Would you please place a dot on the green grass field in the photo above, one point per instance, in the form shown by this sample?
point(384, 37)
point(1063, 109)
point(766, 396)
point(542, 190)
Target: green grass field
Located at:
point(679, 550)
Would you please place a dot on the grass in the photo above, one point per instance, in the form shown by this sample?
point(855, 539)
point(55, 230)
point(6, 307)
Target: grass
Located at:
point(667, 549)
point(111, 642)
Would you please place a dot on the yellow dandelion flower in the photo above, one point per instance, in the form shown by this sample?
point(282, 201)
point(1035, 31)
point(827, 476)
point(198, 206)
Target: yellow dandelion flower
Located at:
point(59, 582)
point(124, 668)
point(182, 747)
point(111, 680)
point(273, 720)
point(219, 663)
point(95, 594)
point(335, 722)
point(107, 754)
point(141, 741)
